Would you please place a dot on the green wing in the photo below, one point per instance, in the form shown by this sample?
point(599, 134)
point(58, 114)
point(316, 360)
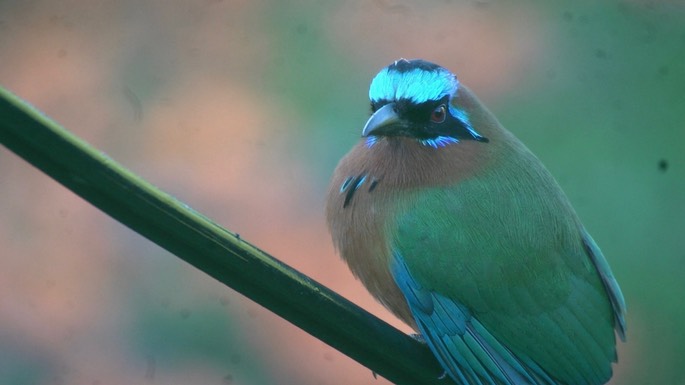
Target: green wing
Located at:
point(511, 254)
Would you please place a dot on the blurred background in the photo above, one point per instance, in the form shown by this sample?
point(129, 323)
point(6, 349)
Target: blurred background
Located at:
point(243, 108)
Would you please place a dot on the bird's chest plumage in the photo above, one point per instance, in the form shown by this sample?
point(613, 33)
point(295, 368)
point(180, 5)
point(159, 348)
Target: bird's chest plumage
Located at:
point(372, 187)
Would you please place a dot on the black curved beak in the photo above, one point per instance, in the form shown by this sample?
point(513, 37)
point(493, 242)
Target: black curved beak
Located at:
point(383, 121)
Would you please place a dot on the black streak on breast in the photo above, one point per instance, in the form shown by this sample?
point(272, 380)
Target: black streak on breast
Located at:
point(374, 183)
point(352, 184)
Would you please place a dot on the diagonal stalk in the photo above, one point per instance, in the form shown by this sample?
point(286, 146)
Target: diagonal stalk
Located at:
point(219, 253)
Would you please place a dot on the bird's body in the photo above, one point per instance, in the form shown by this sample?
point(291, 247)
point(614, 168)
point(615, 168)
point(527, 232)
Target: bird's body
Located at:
point(457, 228)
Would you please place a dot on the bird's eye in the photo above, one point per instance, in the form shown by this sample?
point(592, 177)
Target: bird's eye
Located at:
point(439, 114)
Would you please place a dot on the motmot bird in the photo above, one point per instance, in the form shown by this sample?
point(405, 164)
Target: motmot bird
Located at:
point(460, 231)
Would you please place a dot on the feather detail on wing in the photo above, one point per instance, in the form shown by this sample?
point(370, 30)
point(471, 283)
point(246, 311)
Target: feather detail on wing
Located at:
point(463, 346)
point(615, 296)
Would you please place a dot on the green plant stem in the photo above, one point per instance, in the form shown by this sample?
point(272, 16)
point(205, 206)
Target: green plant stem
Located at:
point(219, 253)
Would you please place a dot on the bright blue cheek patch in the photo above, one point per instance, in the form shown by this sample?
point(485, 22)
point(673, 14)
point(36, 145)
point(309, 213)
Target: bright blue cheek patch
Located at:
point(463, 117)
point(417, 85)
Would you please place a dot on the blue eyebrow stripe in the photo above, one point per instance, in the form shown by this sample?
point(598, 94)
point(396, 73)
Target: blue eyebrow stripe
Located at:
point(417, 85)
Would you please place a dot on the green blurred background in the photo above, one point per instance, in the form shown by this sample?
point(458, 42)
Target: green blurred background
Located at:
point(243, 108)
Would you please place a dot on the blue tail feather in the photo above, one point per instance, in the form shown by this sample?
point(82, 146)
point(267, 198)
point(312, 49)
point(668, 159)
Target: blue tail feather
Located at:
point(463, 346)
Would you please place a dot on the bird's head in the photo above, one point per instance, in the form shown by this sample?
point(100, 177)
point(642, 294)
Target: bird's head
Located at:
point(413, 98)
